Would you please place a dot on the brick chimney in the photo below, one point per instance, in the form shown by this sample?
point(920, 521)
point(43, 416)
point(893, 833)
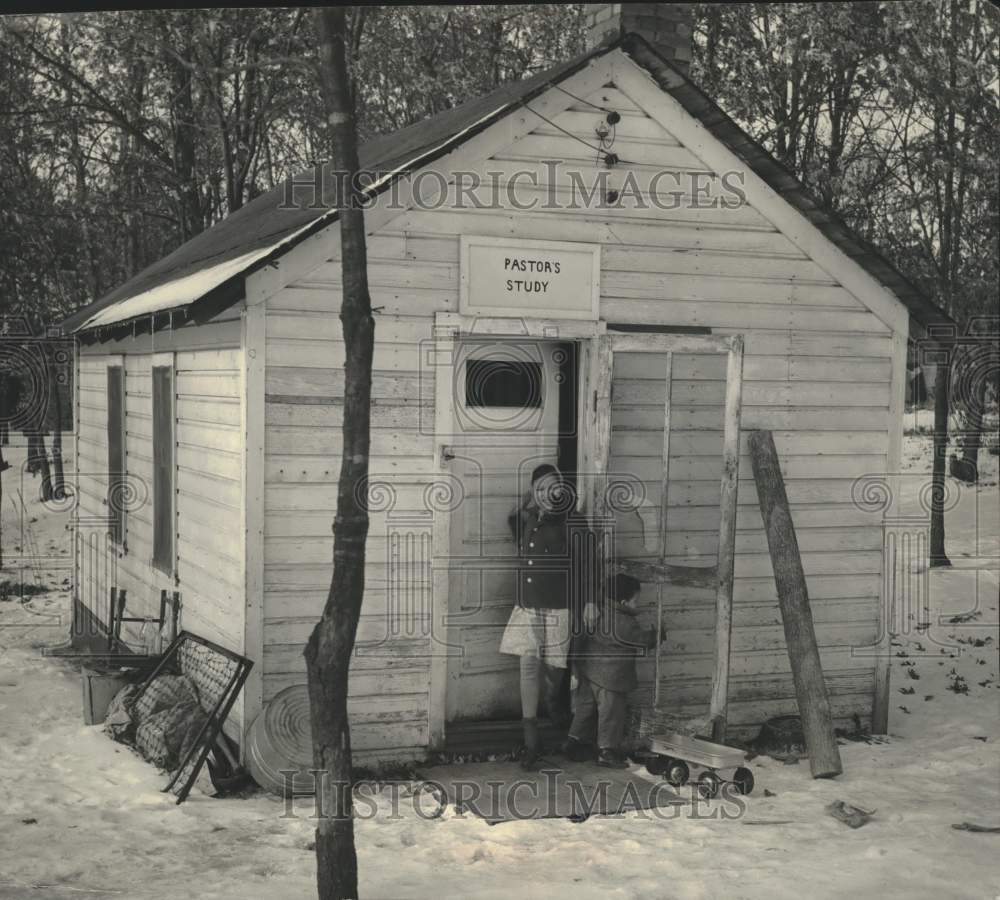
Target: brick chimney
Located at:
point(668, 27)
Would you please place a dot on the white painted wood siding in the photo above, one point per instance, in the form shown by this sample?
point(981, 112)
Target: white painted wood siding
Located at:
point(818, 370)
point(209, 538)
point(303, 416)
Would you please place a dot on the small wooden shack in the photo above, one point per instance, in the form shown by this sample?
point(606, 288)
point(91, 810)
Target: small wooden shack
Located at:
point(606, 333)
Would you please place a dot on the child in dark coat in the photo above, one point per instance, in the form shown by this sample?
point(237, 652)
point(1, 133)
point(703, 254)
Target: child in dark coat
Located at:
point(605, 672)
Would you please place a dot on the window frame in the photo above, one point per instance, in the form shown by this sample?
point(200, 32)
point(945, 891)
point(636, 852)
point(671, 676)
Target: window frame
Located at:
point(117, 491)
point(164, 555)
point(535, 381)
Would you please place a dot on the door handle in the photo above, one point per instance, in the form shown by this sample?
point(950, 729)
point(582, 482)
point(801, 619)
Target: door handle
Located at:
point(446, 454)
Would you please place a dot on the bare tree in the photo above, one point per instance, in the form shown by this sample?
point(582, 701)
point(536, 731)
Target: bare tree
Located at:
point(942, 389)
point(889, 114)
point(55, 420)
point(328, 653)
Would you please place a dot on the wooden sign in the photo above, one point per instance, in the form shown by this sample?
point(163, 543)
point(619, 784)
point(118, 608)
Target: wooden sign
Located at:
point(540, 279)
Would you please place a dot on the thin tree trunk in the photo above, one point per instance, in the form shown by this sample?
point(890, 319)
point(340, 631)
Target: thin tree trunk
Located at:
point(942, 384)
point(185, 130)
point(3, 467)
point(6, 409)
point(44, 468)
point(966, 467)
point(58, 469)
point(328, 652)
point(33, 461)
point(78, 163)
point(53, 417)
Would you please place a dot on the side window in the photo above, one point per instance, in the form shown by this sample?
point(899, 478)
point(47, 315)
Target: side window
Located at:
point(163, 469)
point(116, 453)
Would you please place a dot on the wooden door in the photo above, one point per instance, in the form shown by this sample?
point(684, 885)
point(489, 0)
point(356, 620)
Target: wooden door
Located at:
point(668, 418)
point(505, 422)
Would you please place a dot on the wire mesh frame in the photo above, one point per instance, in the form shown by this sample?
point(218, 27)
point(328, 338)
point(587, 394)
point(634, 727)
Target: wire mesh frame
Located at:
point(118, 614)
point(198, 752)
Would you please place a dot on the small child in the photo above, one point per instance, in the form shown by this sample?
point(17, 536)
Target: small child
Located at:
point(605, 671)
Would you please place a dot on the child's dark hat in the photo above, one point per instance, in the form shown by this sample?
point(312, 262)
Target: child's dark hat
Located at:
point(543, 470)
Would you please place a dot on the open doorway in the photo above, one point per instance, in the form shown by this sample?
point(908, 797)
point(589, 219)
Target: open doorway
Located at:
point(515, 407)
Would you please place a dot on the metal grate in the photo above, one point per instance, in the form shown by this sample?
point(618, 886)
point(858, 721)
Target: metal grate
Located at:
point(218, 674)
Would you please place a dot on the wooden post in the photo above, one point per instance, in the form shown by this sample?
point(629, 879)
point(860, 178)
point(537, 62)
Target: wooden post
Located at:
point(668, 376)
point(602, 426)
point(793, 598)
point(718, 707)
point(881, 699)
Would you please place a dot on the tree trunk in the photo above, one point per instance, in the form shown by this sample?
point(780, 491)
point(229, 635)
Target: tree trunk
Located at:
point(33, 458)
point(796, 616)
point(942, 385)
point(56, 423)
point(78, 163)
point(7, 405)
point(185, 127)
point(58, 469)
point(918, 388)
point(44, 468)
point(3, 468)
point(966, 467)
point(328, 652)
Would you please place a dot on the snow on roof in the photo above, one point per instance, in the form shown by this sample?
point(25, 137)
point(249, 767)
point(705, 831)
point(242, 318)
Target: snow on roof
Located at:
point(268, 225)
point(174, 294)
point(184, 291)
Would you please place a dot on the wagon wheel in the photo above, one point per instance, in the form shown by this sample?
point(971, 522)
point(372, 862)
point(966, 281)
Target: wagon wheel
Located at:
point(743, 779)
point(677, 773)
point(708, 785)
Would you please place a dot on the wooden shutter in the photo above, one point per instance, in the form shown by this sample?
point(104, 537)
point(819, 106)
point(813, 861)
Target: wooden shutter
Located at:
point(116, 453)
point(163, 468)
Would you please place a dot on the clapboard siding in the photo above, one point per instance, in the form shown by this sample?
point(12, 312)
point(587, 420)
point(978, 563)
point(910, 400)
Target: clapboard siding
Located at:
point(303, 417)
point(814, 354)
point(820, 367)
point(208, 452)
point(818, 372)
point(593, 229)
point(851, 690)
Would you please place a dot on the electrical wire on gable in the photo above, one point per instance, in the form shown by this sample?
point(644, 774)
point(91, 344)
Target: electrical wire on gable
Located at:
point(602, 150)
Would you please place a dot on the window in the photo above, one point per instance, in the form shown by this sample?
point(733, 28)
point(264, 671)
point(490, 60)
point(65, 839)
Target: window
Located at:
point(509, 383)
point(163, 468)
point(116, 453)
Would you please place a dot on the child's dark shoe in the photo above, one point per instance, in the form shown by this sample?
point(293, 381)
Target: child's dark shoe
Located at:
point(611, 759)
point(576, 750)
point(529, 759)
point(529, 753)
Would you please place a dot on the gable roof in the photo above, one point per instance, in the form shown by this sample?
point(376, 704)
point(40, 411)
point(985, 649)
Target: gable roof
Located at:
point(267, 226)
point(207, 272)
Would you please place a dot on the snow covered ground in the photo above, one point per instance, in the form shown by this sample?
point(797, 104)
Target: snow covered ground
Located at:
point(82, 816)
